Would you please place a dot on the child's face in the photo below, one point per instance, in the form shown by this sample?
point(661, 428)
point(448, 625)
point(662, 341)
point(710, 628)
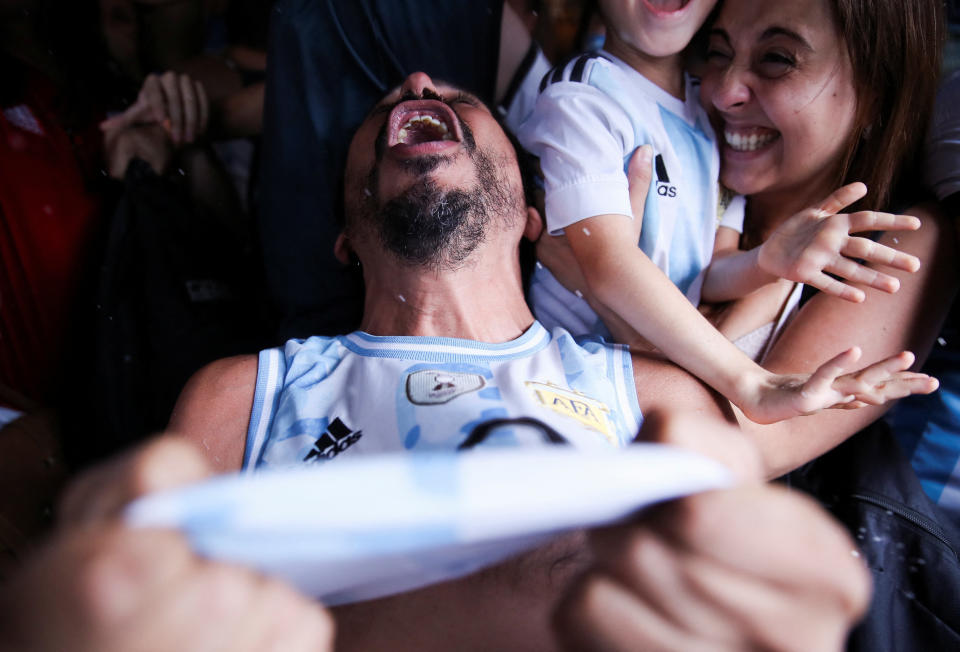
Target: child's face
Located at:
point(656, 28)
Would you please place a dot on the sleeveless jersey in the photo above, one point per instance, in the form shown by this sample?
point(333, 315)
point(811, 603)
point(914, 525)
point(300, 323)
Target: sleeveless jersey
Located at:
point(324, 397)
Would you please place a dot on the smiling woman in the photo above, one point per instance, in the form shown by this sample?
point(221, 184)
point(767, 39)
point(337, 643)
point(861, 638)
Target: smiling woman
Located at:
point(809, 95)
point(799, 91)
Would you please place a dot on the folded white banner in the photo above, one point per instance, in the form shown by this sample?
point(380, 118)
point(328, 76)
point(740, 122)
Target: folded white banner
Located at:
point(354, 530)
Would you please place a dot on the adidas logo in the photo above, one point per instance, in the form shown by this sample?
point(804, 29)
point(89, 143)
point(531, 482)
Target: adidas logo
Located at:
point(664, 188)
point(337, 438)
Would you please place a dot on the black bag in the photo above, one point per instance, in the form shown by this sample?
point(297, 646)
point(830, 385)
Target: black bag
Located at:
point(176, 290)
point(911, 549)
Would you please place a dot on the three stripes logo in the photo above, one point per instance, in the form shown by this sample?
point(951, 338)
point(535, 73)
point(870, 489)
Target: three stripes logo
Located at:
point(337, 438)
point(664, 188)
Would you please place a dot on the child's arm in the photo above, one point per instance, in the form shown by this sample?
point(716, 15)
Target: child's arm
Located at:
point(622, 278)
point(809, 245)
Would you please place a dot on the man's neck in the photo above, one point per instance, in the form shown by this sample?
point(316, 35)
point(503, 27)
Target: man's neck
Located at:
point(482, 302)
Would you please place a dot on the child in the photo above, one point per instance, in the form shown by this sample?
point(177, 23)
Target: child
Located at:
point(590, 117)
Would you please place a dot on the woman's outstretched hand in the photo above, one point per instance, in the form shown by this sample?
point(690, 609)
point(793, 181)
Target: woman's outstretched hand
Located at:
point(819, 241)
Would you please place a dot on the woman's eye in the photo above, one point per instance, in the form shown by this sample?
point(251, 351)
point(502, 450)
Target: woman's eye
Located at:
point(775, 64)
point(717, 56)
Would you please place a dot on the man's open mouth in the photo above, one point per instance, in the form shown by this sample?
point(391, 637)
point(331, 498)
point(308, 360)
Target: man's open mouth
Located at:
point(422, 126)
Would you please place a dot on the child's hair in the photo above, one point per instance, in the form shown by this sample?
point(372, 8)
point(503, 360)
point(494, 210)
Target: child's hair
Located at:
point(895, 49)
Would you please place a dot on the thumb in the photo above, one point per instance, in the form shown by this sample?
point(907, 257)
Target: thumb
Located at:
point(139, 111)
point(639, 174)
point(102, 493)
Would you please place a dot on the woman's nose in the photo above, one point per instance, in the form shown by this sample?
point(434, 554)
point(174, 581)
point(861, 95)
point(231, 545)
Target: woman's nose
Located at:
point(732, 90)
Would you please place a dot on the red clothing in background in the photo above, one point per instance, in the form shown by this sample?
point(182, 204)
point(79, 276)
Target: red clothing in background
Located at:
point(48, 214)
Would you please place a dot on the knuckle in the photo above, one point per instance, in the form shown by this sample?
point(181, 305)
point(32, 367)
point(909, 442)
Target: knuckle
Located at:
point(292, 611)
point(100, 586)
point(581, 604)
point(223, 590)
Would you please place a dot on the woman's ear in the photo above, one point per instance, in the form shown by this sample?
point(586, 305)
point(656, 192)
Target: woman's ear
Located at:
point(534, 226)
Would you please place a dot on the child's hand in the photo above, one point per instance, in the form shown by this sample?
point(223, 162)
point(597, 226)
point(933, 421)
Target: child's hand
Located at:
point(818, 240)
point(783, 396)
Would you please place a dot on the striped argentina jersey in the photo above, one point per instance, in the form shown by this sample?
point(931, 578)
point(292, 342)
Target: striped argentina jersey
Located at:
point(590, 117)
point(326, 397)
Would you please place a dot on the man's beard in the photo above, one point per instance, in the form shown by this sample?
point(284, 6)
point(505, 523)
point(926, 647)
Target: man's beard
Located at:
point(432, 227)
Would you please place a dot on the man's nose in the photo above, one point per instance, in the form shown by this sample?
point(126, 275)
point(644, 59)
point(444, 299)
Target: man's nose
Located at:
point(416, 82)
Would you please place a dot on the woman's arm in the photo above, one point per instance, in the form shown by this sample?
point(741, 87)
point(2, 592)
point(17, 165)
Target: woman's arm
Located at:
point(882, 325)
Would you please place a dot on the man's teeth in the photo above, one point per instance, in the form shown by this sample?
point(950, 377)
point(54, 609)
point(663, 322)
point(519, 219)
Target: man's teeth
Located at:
point(421, 122)
point(748, 143)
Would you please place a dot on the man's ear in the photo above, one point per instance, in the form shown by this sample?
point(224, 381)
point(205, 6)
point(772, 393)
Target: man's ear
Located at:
point(342, 249)
point(534, 226)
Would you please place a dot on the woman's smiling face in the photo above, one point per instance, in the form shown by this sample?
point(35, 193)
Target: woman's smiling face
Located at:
point(780, 89)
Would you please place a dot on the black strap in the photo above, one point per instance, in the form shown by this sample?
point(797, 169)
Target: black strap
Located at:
point(520, 74)
point(480, 432)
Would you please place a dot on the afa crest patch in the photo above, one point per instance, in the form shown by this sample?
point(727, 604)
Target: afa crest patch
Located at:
point(434, 387)
point(589, 412)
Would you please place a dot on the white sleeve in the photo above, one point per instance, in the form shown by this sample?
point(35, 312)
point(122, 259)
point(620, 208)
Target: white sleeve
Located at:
point(581, 137)
point(732, 211)
point(942, 168)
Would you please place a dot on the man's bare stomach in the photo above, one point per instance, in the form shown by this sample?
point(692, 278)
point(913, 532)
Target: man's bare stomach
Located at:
point(506, 607)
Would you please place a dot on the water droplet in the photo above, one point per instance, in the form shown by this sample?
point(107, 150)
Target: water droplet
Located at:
point(889, 512)
point(861, 529)
point(400, 296)
point(578, 293)
point(366, 191)
point(877, 539)
point(539, 266)
point(941, 341)
point(181, 172)
point(860, 537)
point(855, 553)
point(921, 561)
point(896, 241)
point(586, 231)
point(910, 595)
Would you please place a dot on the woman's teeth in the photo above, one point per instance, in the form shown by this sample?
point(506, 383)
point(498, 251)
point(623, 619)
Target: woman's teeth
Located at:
point(748, 142)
